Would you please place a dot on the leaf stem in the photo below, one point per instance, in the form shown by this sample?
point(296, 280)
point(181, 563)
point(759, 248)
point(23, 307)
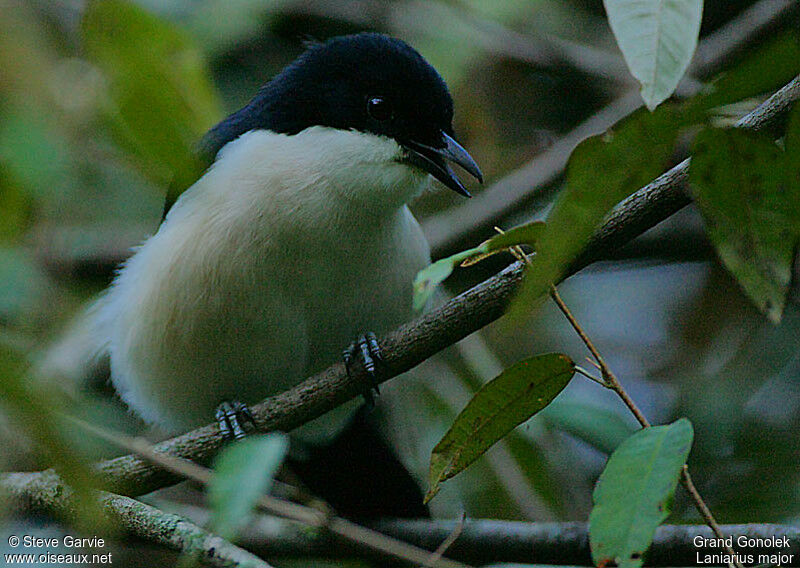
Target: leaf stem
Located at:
point(611, 381)
point(591, 377)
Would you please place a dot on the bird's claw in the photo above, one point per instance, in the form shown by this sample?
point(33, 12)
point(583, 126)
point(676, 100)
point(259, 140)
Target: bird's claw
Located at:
point(230, 416)
point(367, 350)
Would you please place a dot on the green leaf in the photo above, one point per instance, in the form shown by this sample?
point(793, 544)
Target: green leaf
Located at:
point(602, 171)
point(791, 143)
point(24, 138)
point(243, 472)
point(761, 70)
point(596, 425)
point(657, 39)
point(749, 197)
point(527, 234)
point(633, 494)
point(429, 278)
point(160, 98)
point(501, 405)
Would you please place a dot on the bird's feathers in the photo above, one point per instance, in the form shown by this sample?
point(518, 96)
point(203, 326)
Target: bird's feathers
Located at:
point(256, 280)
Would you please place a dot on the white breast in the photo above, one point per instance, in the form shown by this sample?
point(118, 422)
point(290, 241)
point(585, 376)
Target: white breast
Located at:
point(264, 271)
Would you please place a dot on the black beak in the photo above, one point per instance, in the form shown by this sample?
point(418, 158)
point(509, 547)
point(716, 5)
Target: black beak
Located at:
point(434, 161)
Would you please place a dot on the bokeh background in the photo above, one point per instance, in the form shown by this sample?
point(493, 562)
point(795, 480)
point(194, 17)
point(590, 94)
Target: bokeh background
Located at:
point(83, 178)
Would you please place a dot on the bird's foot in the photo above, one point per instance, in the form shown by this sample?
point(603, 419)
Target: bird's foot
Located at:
point(230, 416)
point(368, 352)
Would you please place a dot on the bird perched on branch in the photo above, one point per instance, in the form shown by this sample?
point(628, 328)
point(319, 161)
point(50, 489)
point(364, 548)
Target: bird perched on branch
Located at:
point(295, 242)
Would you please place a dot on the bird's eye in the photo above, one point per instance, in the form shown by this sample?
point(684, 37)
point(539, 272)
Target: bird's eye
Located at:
point(379, 108)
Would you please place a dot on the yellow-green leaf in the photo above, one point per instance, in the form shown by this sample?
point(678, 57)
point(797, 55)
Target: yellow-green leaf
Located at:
point(429, 278)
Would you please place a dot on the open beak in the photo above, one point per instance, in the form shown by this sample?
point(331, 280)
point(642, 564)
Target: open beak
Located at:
point(434, 161)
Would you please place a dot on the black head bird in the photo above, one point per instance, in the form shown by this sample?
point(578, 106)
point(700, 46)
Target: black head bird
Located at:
point(367, 82)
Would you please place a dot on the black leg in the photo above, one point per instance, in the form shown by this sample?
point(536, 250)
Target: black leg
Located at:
point(359, 474)
point(230, 416)
point(367, 350)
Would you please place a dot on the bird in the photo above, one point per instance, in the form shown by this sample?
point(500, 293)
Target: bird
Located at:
point(296, 242)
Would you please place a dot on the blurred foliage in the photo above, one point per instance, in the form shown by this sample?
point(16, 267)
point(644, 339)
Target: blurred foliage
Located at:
point(34, 411)
point(632, 153)
point(242, 473)
point(749, 194)
point(97, 121)
point(159, 100)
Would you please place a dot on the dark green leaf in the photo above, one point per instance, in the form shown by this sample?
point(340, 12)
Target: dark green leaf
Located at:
point(242, 473)
point(501, 405)
point(602, 171)
point(743, 184)
point(761, 70)
point(634, 491)
point(657, 39)
point(160, 98)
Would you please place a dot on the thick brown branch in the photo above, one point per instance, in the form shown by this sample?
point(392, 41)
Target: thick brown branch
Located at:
point(492, 541)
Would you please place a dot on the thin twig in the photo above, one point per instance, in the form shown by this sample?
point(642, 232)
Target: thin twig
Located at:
point(613, 383)
point(610, 381)
point(608, 375)
point(359, 535)
point(581, 371)
point(702, 508)
point(447, 543)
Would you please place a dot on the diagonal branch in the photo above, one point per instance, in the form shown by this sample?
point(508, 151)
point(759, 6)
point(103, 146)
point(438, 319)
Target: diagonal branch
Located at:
point(448, 229)
point(407, 346)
